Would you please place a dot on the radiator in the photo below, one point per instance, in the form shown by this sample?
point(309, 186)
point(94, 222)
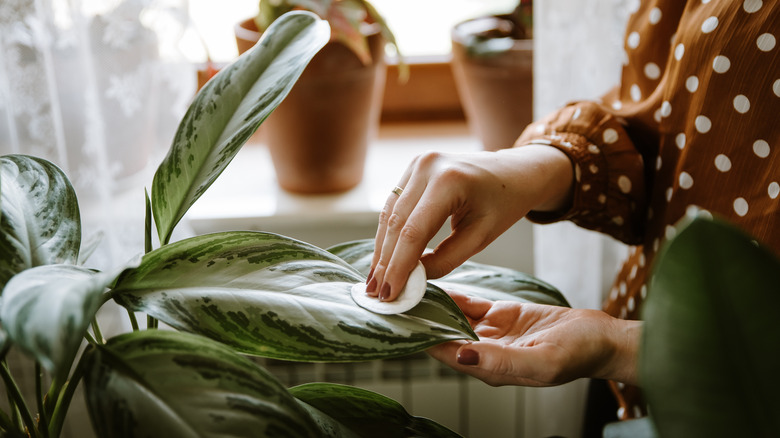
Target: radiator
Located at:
point(421, 384)
point(426, 388)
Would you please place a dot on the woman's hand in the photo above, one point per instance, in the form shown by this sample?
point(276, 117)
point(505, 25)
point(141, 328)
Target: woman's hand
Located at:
point(541, 345)
point(484, 193)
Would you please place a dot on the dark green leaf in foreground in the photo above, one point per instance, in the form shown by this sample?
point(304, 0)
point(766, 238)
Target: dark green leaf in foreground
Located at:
point(711, 349)
point(273, 296)
point(228, 110)
point(46, 311)
point(366, 413)
point(476, 279)
point(39, 216)
point(156, 383)
point(4, 343)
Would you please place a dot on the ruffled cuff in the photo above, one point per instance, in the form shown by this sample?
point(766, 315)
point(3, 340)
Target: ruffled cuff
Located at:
point(609, 194)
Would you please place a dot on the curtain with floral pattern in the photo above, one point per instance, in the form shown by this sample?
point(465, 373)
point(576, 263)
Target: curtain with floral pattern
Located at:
point(97, 87)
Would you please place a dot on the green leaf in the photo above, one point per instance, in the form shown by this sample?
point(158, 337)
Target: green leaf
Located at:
point(169, 384)
point(366, 413)
point(5, 343)
point(228, 109)
point(497, 283)
point(709, 359)
point(39, 222)
point(89, 245)
point(46, 310)
point(475, 279)
point(273, 296)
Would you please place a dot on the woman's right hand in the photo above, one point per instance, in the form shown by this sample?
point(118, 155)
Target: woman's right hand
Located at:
point(484, 193)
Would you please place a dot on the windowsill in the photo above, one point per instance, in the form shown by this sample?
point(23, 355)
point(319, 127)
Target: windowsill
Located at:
point(247, 196)
point(429, 93)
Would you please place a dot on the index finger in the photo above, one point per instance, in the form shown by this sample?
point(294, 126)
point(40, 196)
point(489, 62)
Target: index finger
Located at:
point(415, 223)
point(384, 216)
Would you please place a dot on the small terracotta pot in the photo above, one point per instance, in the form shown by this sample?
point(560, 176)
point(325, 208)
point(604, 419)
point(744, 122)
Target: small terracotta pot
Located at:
point(496, 90)
point(318, 137)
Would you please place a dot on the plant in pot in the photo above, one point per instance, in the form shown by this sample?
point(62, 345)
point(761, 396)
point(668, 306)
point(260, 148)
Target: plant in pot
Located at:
point(226, 295)
point(492, 61)
point(318, 138)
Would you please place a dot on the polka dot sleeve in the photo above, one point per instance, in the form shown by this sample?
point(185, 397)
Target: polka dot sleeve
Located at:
point(609, 194)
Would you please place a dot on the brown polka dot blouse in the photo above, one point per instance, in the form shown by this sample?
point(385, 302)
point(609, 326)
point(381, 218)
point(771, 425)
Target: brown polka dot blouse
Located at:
point(693, 126)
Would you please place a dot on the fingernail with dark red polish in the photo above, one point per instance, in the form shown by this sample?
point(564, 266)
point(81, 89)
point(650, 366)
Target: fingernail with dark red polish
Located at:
point(385, 292)
point(370, 276)
point(371, 286)
point(468, 357)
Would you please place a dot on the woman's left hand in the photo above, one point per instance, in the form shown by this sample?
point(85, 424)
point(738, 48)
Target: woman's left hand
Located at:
point(541, 345)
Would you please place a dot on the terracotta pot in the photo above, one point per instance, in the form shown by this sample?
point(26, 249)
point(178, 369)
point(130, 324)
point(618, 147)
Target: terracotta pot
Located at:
point(496, 90)
point(318, 137)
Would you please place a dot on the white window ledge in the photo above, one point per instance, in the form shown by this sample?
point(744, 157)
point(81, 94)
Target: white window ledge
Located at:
point(247, 197)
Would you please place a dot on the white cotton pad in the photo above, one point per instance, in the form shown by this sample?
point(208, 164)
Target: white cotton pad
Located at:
point(410, 296)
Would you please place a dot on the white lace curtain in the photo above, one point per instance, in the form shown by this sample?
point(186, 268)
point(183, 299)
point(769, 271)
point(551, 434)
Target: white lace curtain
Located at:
point(97, 87)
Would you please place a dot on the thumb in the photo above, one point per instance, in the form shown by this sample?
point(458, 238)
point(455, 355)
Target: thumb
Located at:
point(498, 364)
point(455, 249)
point(487, 356)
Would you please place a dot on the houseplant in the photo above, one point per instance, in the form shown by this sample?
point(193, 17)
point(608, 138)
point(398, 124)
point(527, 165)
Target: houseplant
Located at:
point(229, 294)
point(492, 61)
point(318, 137)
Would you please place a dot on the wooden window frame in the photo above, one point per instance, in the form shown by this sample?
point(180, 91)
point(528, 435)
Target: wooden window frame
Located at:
point(430, 93)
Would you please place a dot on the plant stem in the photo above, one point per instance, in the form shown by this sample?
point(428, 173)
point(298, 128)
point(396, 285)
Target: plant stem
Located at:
point(6, 424)
point(50, 400)
point(151, 322)
point(89, 338)
point(4, 350)
point(13, 391)
point(133, 320)
point(147, 223)
point(16, 416)
point(96, 331)
point(43, 418)
point(66, 396)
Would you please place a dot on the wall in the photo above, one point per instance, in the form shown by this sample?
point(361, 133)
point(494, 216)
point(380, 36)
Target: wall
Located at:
point(578, 54)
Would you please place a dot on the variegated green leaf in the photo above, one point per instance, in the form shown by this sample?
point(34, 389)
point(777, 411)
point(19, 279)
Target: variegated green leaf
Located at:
point(47, 309)
point(329, 427)
point(485, 281)
point(497, 283)
point(273, 296)
point(39, 218)
point(89, 245)
point(228, 110)
point(366, 413)
point(156, 383)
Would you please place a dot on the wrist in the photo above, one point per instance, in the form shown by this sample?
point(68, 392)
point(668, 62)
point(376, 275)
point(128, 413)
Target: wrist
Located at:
point(552, 173)
point(621, 364)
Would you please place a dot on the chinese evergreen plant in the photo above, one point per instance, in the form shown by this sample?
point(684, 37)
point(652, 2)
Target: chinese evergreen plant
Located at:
point(227, 294)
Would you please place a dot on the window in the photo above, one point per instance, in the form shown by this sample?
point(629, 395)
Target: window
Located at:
point(422, 28)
